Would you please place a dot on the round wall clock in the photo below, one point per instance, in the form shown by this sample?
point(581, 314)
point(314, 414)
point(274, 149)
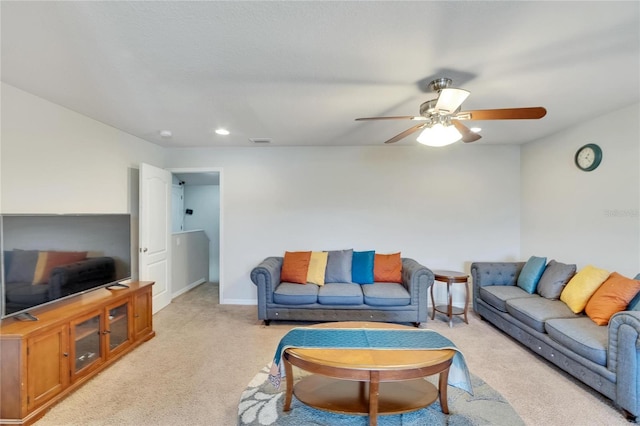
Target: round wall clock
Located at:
point(588, 157)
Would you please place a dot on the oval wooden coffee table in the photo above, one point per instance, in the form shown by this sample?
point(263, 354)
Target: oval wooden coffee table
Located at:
point(367, 381)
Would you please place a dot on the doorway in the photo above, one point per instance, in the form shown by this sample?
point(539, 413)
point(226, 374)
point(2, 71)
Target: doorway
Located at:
point(202, 210)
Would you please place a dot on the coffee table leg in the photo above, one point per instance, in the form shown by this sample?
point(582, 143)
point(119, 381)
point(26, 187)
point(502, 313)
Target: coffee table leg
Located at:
point(374, 392)
point(442, 390)
point(289, 377)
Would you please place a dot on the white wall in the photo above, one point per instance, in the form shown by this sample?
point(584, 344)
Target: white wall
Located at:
point(54, 160)
point(204, 200)
point(57, 161)
point(585, 217)
point(444, 207)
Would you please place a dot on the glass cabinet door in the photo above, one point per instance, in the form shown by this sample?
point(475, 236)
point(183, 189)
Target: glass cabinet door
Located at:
point(87, 342)
point(118, 326)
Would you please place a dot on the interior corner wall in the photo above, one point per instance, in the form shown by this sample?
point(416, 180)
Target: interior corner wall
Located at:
point(444, 207)
point(204, 201)
point(585, 217)
point(54, 160)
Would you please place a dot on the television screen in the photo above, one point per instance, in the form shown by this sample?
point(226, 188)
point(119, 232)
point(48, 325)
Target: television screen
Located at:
point(47, 258)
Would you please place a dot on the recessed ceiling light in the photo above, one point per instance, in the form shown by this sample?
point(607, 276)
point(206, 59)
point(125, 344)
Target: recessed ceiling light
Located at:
point(222, 131)
point(166, 133)
point(475, 129)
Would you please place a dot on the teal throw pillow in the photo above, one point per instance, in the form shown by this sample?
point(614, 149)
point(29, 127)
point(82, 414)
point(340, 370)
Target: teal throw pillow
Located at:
point(362, 267)
point(531, 273)
point(634, 305)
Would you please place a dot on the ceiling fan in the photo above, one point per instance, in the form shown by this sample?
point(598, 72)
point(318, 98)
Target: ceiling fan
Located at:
point(441, 117)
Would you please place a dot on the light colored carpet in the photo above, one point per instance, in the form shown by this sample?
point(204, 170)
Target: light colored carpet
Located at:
point(204, 354)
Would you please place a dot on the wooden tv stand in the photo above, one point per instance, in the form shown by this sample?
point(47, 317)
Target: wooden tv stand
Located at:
point(43, 361)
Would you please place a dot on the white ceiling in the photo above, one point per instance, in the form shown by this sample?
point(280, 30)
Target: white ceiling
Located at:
point(301, 72)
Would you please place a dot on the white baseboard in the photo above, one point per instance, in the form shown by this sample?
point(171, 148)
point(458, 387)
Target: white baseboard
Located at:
point(239, 302)
point(187, 288)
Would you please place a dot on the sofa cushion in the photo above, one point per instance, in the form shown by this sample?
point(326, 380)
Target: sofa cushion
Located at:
point(612, 296)
point(387, 268)
point(581, 287)
point(582, 336)
point(295, 266)
point(555, 276)
point(339, 266)
point(340, 294)
point(317, 267)
point(497, 295)
point(26, 294)
point(295, 294)
point(534, 311)
point(362, 267)
point(531, 273)
point(386, 294)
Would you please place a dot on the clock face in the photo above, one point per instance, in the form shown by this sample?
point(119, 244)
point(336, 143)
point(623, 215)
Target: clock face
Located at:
point(588, 157)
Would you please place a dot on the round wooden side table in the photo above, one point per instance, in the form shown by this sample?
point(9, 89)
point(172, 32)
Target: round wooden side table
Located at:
point(451, 277)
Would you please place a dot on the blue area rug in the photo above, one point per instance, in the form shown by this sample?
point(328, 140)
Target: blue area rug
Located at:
point(261, 405)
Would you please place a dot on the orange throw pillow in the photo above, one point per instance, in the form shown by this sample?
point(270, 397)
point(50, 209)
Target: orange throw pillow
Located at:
point(295, 267)
point(387, 268)
point(54, 259)
point(612, 296)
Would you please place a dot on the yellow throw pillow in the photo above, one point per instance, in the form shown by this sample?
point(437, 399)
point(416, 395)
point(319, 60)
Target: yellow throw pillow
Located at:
point(581, 287)
point(612, 296)
point(317, 267)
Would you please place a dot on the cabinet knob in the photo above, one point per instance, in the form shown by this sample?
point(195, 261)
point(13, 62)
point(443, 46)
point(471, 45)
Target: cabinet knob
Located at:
point(106, 332)
point(66, 354)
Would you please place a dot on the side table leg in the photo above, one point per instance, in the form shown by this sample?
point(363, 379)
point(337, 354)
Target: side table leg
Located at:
point(450, 306)
point(466, 300)
point(442, 390)
point(433, 304)
point(374, 393)
point(289, 377)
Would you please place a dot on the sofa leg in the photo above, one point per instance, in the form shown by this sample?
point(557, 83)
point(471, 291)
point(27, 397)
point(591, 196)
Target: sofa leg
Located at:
point(630, 417)
point(267, 322)
point(416, 324)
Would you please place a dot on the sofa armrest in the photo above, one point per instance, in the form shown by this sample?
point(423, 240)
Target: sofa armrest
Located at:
point(417, 279)
point(266, 276)
point(624, 358)
point(493, 273)
point(80, 276)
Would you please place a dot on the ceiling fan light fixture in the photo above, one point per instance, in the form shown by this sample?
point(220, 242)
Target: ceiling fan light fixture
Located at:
point(439, 135)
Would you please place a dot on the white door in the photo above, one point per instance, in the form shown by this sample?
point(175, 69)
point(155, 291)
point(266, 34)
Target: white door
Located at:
point(155, 232)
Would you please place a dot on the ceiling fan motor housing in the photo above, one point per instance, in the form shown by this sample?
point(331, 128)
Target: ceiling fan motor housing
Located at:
point(439, 84)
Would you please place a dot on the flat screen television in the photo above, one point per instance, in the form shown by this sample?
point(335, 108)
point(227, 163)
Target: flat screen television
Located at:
point(50, 257)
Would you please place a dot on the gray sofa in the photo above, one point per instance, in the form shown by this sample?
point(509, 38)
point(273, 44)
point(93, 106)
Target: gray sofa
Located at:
point(388, 302)
point(607, 358)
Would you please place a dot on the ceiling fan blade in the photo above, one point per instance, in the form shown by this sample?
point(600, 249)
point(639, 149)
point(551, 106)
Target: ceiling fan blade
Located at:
point(406, 133)
point(399, 117)
point(467, 134)
point(530, 113)
point(450, 100)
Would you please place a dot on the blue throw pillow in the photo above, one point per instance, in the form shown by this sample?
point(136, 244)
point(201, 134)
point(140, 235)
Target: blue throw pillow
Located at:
point(362, 267)
point(339, 266)
point(531, 273)
point(634, 305)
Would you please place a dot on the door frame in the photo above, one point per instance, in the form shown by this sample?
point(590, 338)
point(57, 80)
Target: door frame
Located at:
point(218, 170)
